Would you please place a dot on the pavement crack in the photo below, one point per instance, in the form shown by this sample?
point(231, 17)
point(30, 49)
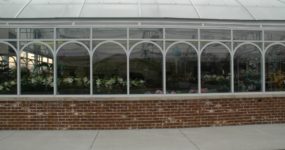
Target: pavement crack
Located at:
point(93, 141)
point(189, 140)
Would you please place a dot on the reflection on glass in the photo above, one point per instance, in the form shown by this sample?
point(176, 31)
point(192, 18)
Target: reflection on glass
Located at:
point(36, 33)
point(73, 70)
point(73, 33)
point(36, 70)
point(274, 35)
point(275, 68)
point(146, 69)
point(109, 69)
point(146, 33)
point(247, 69)
point(106, 33)
point(215, 69)
point(8, 70)
point(215, 34)
point(8, 33)
point(247, 35)
point(180, 33)
point(181, 69)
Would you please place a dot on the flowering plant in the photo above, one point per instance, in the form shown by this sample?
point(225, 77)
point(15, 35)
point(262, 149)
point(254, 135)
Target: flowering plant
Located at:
point(109, 85)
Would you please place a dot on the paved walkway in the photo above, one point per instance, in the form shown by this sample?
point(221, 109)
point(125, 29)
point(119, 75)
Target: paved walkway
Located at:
point(252, 137)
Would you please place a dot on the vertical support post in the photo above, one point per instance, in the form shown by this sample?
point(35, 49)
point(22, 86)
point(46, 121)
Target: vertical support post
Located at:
point(54, 63)
point(263, 63)
point(199, 62)
point(128, 61)
point(18, 53)
point(164, 64)
point(232, 62)
point(91, 61)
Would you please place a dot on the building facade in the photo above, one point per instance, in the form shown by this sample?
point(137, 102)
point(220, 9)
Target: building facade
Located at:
point(141, 64)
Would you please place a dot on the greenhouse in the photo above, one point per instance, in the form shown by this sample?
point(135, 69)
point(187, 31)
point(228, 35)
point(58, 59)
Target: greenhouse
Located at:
point(159, 49)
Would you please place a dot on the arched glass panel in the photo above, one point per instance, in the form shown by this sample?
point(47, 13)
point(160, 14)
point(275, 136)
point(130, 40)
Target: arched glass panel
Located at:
point(181, 69)
point(146, 69)
point(247, 69)
point(8, 70)
point(109, 69)
point(215, 69)
point(275, 68)
point(36, 70)
point(73, 70)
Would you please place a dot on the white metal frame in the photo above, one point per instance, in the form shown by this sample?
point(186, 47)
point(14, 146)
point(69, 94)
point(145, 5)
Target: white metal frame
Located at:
point(141, 24)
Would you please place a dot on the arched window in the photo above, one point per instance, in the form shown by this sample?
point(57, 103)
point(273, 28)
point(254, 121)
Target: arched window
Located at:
point(247, 69)
point(73, 69)
point(215, 69)
point(275, 68)
point(36, 70)
point(8, 70)
point(109, 69)
point(181, 69)
point(146, 69)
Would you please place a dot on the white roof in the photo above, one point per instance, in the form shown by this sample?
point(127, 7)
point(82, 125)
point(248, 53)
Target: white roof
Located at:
point(186, 9)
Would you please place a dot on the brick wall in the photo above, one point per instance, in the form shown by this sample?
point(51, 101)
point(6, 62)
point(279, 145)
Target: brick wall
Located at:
point(124, 114)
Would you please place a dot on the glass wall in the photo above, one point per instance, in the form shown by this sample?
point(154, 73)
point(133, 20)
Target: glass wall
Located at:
point(36, 69)
point(73, 73)
point(275, 68)
point(146, 69)
point(140, 60)
point(181, 69)
point(247, 69)
point(109, 69)
point(215, 69)
point(8, 69)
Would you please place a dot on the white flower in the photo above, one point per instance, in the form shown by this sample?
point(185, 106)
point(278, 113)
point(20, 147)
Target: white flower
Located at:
point(120, 80)
point(141, 81)
point(98, 82)
point(6, 83)
point(12, 82)
point(33, 80)
point(1, 87)
point(85, 79)
point(68, 80)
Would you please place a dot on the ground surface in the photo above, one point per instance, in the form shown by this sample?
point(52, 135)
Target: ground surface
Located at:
point(252, 137)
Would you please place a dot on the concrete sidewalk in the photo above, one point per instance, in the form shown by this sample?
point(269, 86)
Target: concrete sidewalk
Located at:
point(252, 137)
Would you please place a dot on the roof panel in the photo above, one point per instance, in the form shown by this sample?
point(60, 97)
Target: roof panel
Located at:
point(10, 8)
point(192, 9)
point(52, 8)
point(109, 10)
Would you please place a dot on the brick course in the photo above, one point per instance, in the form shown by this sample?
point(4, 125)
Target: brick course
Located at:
point(124, 114)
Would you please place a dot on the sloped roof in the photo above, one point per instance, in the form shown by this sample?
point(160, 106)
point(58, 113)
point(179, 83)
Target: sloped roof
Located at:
point(186, 9)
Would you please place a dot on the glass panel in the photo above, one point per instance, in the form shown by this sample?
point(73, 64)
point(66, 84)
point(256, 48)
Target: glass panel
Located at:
point(173, 33)
point(215, 69)
point(247, 35)
point(274, 35)
point(247, 69)
point(109, 70)
point(73, 33)
point(181, 69)
point(275, 68)
point(73, 70)
point(215, 34)
point(36, 70)
point(36, 33)
point(8, 70)
point(8, 33)
point(146, 69)
point(146, 33)
point(106, 33)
